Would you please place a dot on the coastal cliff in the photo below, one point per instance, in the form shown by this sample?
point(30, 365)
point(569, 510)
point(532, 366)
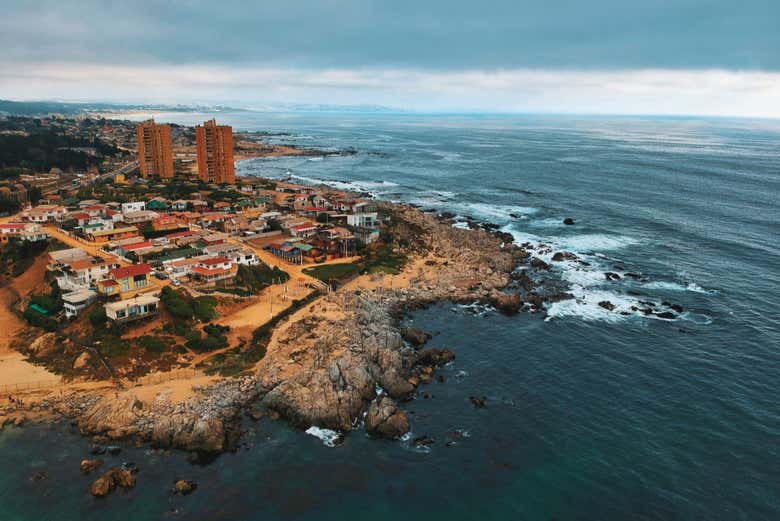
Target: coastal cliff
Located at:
point(339, 360)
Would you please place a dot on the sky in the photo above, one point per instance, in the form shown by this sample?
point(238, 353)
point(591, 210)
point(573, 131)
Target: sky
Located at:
point(707, 57)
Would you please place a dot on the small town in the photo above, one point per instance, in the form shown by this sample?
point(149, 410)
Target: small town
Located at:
point(118, 260)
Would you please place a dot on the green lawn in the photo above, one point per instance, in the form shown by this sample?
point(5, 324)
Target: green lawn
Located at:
point(333, 272)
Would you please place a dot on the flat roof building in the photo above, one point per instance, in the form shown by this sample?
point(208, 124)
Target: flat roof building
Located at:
point(215, 153)
point(155, 154)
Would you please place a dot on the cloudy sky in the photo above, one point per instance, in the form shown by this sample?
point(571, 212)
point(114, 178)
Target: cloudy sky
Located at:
point(719, 57)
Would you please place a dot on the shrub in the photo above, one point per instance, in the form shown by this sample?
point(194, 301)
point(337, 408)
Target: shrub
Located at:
point(98, 316)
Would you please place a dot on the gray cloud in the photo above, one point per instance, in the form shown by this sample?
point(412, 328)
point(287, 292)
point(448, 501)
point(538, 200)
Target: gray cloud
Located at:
point(428, 34)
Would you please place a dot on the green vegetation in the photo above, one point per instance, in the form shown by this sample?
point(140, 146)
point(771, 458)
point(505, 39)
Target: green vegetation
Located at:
point(46, 149)
point(334, 272)
point(97, 316)
point(42, 309)
point(214, 339)
point(9, 204)
point(255, 278)
point(156, 344)
point(383, 260)
point(17, 256)
point(378, 260)
point(185, 309)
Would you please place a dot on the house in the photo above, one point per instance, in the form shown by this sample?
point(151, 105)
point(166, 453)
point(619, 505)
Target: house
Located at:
point(80, 273)
point(300, 202)
point(97, 225)
point(304, 230)
point(179, 205)
point(166, 222)
point(124, 232)
point(235, 252)
point(135, 206)
point(45, 213)
point(75, 301)
point(29, 232)
point(213, 270)
point(138, 248)
point(135, 308)
point(181, 267)
point(286, 251)
point(157, 204)
point(367, 235)
point(362, 219)
point(125, 280)
point(141, 216)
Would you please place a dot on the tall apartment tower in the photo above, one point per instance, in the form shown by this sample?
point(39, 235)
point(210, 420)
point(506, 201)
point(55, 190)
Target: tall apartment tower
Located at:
point(215, 153)
point(155, 154)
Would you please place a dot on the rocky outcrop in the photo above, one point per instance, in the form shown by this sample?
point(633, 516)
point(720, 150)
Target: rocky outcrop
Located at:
point(114, 477)
point(385, 419)
point(433, 356)
point(45, 345)
point(81, 361)
point(416, 337)
point(201, 423)
point(568, 221)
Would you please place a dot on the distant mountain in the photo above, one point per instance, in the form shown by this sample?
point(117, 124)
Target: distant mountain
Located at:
point(42, 108)
point(318, 107)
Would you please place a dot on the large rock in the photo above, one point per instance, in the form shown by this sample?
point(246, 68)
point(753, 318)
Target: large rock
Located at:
point(81, 361)
point(414, 336)
point(507, 302)
point(88, 465)
point(434, 356)
point(385, 419)
point(184, 487)
point(45, 345)
point(112, 478)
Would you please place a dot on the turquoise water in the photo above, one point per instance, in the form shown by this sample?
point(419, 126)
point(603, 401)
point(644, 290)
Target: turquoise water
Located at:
point(590, 415)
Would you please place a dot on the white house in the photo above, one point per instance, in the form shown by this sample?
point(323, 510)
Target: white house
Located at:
point(135, 206)
point(362, 219)
point(75, 301)
point(133, 309)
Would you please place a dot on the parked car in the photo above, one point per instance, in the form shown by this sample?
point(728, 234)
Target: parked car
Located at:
point(160, 276)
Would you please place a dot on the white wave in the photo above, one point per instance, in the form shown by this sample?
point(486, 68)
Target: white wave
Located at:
point(674, 286)
point(593, 242)
point(330, 438)
point(463, 225)
point(497, 211)
point(363, 186)
point(547, 223)
point(585, 305)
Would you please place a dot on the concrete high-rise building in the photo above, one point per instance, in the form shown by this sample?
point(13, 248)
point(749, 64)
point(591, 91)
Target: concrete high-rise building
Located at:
point(215, 153)
point(155, 154)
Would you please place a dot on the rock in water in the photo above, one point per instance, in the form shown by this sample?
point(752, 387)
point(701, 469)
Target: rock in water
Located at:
point(508, 303)
point(434, 356)
point(606, 304)
point(539, 264)
point(112, 478)
point(184, 487)
point(88, 465)
point(385, 419)
point(568, 221)
point(414, 336)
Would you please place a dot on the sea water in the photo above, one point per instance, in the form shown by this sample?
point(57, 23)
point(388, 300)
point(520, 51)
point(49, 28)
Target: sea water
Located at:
point(590, 414)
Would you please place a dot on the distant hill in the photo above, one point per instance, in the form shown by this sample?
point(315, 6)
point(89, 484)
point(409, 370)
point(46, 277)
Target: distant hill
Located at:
point(42, 108)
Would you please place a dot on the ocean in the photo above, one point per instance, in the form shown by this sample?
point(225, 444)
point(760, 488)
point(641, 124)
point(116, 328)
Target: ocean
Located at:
point(591, 414)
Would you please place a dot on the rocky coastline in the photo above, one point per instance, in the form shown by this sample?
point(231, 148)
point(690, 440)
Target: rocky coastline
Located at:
point(342, 362)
